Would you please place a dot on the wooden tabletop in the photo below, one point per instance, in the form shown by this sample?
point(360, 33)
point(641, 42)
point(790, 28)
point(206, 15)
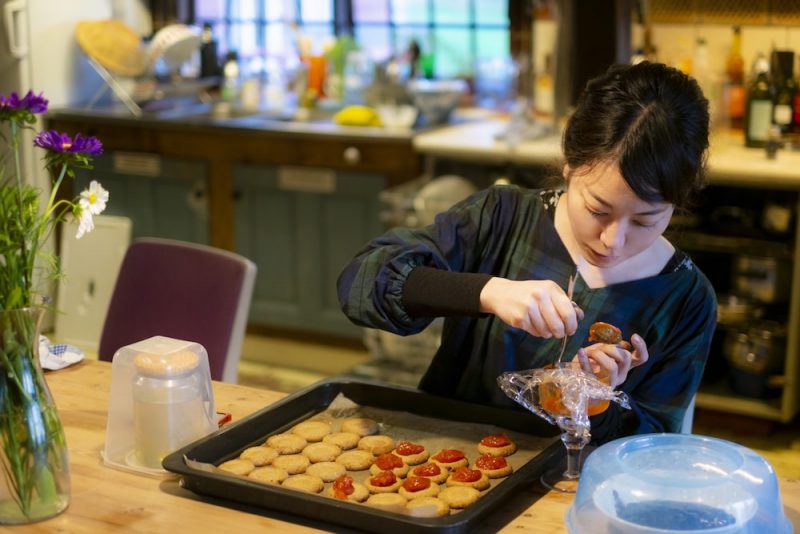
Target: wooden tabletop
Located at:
point(106, 499)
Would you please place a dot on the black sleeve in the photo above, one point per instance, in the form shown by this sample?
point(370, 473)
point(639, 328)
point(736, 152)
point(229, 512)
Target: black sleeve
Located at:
point(430, 292)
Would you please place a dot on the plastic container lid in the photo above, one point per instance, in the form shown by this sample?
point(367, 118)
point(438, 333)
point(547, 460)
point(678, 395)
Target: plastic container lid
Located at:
point(665, 483)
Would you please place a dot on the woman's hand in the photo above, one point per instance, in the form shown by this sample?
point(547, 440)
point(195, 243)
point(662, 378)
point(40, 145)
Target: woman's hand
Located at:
point(614, 359)
point(540, 307)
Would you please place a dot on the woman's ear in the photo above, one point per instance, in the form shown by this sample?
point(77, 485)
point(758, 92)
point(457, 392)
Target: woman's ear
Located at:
point(565, 172)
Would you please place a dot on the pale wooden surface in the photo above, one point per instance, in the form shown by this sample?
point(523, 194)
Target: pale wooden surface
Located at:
point(105, 499)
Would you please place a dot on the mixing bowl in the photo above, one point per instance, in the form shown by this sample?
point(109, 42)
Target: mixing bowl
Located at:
point(669, 483)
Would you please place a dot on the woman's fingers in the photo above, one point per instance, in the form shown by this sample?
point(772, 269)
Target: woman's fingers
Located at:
point(640, 354)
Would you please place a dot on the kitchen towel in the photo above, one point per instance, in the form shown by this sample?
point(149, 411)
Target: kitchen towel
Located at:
point(57, 356)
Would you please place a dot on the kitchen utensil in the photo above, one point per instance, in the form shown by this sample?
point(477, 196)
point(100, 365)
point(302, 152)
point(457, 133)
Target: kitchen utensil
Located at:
point(174, 45)
point(436, 99)
point(667, 483)
point(570, 291)
point(113, 45)
point(160, 400)
point(461, 416)
point(755, 356)
point(764, 279)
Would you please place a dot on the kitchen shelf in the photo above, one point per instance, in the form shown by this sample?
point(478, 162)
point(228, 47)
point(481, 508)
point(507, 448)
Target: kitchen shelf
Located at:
point(692, 240)
point(719, 396)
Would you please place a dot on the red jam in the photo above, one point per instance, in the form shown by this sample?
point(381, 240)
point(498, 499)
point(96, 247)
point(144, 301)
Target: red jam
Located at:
point(417, 483)
point(406, 448)
point(487, 461)
point(388, 461)
point(496, 440)
point(465, 474)
point(342, 487)
point(428, 470)
point(448, 456)
point(383, 479)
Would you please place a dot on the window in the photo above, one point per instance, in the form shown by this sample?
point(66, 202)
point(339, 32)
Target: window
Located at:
point(453, 35)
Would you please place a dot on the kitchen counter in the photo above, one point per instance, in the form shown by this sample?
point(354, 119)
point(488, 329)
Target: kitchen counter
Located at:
point(730, 162)
point(104, 499)
point(204, 117)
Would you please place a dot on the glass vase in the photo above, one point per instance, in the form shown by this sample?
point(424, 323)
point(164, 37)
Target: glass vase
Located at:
point(35, 466)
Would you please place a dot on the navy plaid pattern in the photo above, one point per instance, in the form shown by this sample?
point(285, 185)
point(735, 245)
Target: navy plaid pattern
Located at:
point(509, 232)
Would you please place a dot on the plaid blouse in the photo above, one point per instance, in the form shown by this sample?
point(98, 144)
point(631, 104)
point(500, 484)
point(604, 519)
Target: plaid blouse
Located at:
point(509, 232)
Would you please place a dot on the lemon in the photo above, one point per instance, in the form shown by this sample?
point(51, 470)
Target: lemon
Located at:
point(357, 116)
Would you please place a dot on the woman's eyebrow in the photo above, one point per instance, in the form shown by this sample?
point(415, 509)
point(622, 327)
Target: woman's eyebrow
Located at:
point(655, 211)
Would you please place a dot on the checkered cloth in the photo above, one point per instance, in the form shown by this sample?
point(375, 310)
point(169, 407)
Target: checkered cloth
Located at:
point(57, 356)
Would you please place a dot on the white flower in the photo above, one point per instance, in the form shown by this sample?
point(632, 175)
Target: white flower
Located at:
point(85, 223)
point(93, 199)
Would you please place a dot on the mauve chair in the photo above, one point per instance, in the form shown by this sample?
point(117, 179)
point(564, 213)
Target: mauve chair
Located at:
point(184, 291)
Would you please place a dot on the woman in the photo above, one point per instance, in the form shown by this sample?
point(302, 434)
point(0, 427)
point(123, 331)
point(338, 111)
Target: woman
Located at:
point(497, 264)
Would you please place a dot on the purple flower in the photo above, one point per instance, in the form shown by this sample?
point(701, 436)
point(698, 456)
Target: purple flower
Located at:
point(30, 102)
point(63, 143)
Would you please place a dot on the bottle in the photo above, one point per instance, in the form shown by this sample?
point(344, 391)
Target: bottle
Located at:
point(758, 111)
point(734, 90)
point(230, 74)
point(785, 89)
point(543, 96)
point(209, 61)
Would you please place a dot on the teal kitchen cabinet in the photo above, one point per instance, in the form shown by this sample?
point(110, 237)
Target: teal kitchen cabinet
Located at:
point(301, 225)
point(163, 196)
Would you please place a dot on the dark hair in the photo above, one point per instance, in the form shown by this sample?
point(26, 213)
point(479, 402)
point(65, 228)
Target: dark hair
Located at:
point(649, 118)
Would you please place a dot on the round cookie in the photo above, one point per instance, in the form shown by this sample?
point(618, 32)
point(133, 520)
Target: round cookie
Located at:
point(269, 474)
point(389, 502)
point(286, 443)
point(376, 444)
point(427, 507)
point(344, 440)
point(459, 496)
point(493, 466)
point(360, 425)
point(497, 445)
point(355, 460)
point(346, 489)
point(237, 466)
point(411, 453)
point(327, 471)
point(307, 483)
point(293, 463)
point(384, 482)
point(414, 487)
point(312, 431)
point(450, 459)
point(321, 452)
point(259, 455)
point(464, 476)
point(389, 462)
point(432, 470)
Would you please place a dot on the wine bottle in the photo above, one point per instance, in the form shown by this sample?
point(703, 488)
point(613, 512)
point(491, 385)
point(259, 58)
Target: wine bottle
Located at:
point(758, 111)
point(734, 92)
point(785, 89)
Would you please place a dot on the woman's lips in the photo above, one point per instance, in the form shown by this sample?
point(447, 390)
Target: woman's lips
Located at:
point(601, 259)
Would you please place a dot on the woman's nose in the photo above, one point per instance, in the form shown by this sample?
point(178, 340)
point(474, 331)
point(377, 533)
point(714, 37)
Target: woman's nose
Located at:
point(613, 235)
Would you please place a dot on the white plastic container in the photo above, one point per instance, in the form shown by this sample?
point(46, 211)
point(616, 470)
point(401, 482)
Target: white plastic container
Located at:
point(676, 483)
point(160, 400)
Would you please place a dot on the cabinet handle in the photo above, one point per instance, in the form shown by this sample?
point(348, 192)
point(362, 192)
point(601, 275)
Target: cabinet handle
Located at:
point(352, 155)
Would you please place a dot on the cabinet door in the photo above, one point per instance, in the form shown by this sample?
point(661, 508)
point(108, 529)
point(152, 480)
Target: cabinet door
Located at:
point(301, 226)
point(163, 197)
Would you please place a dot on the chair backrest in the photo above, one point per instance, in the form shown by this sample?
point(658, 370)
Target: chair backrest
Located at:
point(184, 291)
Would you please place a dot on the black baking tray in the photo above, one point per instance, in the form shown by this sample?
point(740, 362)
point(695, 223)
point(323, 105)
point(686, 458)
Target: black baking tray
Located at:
point(229, 442)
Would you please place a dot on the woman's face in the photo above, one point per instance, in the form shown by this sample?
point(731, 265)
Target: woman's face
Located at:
point(609, 222)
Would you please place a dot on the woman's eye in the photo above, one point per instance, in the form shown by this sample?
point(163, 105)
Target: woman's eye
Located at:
point(642, 224)
point(595, 213)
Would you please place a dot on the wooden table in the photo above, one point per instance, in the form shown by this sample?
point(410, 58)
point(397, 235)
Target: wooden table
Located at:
point(104, 499)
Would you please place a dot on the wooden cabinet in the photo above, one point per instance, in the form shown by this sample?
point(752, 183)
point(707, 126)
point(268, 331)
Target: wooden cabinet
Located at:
point(298, 199)
point(163, 196)
point(301, 225)
point(747, 374)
